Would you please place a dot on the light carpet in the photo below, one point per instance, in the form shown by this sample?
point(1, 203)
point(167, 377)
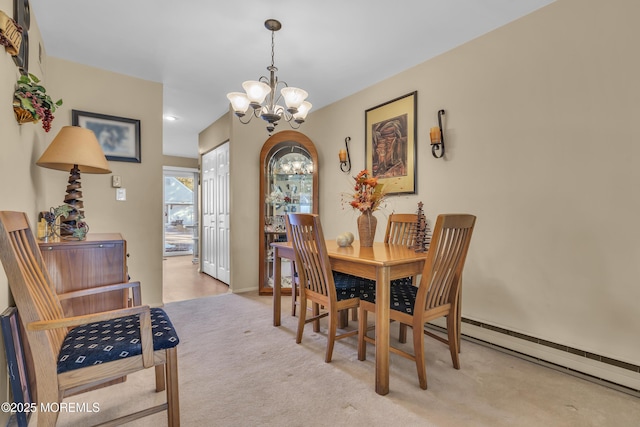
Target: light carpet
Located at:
point(236, 369)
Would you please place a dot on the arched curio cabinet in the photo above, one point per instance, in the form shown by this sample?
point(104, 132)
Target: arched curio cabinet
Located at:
point(288, 183)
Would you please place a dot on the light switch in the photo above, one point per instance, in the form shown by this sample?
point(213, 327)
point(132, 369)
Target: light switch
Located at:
point(121, 194)
point(116, 181)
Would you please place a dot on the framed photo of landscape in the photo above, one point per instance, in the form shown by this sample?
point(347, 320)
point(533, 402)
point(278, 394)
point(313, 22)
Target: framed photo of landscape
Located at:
point(119, 137)
point(390, 143)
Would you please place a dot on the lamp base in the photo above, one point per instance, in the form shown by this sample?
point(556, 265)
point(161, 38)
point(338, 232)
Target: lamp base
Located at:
point(72, 222)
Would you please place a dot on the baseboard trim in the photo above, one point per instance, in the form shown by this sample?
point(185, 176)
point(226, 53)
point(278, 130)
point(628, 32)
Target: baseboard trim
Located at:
point(603, 370)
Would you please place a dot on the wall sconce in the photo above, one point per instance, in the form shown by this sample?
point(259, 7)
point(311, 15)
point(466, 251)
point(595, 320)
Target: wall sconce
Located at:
point(345, 158)
point(437, 138)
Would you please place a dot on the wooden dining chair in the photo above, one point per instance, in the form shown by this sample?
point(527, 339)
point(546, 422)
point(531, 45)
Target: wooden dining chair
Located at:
point(436, 295)
point(76, 353)
point(402, 229)
point(316, 280)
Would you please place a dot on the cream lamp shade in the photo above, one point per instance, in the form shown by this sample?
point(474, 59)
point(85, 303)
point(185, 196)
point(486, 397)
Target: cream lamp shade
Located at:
point(73, 147)
point(76, 150)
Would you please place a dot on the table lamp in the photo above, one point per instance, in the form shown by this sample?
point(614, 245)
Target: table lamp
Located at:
point(74, 149)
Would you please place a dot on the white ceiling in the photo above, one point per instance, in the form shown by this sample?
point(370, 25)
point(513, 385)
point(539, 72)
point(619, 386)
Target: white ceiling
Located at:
point(202, 49)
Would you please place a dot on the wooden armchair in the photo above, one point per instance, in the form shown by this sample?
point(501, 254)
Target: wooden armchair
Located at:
point(67, 356)
point(316, 279)
point(436, 296)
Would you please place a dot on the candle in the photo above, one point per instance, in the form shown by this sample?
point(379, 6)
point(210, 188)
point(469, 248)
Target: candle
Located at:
point(343, 155)
point(435, 135)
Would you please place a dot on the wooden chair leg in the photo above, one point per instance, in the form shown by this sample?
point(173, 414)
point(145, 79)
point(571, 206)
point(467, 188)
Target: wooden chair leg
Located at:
point(47, 392)
point(302, 318)
point(331, 333)
point(173, 398)
point(402, 335)
point(418, 348)
point(294, 290)
point(453, 336)
point(294, 298)
point(343, 318)
point(362, 330)
point(160, 383)
point(316, 312)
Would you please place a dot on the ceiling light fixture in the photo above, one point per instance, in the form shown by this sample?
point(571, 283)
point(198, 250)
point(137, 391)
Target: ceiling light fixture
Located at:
point(261, 95)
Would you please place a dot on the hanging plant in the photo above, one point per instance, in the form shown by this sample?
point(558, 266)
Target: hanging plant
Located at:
point(32, 103)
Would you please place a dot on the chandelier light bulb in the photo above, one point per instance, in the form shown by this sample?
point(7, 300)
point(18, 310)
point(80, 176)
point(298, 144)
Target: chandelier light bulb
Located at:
point(256, 91)
point(293, 97)
point(303, 110)
point(239, 102)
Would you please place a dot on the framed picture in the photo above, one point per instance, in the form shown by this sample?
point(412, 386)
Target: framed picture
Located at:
point(16, 365)
point(390, 143)
point(119, 137)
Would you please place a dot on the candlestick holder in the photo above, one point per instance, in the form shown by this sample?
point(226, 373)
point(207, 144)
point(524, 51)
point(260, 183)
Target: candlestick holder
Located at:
point(437, 138)
point(345, 157)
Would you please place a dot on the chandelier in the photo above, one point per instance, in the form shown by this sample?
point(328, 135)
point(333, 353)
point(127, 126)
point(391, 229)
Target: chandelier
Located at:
point(262, 97)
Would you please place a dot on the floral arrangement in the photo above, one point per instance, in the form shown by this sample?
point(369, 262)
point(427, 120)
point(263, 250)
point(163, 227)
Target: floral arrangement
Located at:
point(33, 97)
point(63, 211)
point(368, 195)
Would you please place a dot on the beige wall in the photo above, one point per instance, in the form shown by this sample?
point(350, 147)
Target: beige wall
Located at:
point(139, 218)
point(542, 145)
point(181, 162)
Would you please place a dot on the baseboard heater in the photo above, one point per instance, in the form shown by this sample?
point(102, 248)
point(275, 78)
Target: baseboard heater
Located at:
point(603, 370)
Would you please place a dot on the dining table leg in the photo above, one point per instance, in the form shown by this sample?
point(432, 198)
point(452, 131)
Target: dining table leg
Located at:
point(383, 304)
point(277, 287)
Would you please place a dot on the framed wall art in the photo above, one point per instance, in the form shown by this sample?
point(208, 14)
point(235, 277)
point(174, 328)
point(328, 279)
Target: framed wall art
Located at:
point(119, 137)
point(390, 143)
point(16, 366)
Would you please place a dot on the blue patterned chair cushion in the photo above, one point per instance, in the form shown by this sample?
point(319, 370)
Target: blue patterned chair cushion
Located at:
point(346, 277)
point(111, 340)
point(403, 298)
point(348, 286)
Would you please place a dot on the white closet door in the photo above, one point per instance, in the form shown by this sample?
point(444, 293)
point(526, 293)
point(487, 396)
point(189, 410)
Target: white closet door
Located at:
point(215, 213)
point(222, 213)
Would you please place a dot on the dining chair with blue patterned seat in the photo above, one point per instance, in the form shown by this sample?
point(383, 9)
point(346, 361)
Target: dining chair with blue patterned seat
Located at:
point(437, 294)
point(316, 281)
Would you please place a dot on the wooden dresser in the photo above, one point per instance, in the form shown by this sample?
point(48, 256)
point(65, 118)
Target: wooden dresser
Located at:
point(101, 259)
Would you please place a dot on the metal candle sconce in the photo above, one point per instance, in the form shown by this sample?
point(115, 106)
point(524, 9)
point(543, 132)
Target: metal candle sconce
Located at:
point(437, 138)
point(345, 158)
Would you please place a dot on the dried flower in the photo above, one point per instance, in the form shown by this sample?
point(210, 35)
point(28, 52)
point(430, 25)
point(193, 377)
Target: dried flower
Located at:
point(368, 193)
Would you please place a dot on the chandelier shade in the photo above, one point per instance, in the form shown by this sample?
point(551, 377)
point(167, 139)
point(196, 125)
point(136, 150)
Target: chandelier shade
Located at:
point(263, 98)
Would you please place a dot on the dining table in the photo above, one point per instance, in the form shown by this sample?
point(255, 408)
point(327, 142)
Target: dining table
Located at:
point(382, 262)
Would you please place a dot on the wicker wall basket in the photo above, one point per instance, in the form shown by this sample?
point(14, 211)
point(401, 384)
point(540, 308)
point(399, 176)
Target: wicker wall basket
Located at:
point(22, 115)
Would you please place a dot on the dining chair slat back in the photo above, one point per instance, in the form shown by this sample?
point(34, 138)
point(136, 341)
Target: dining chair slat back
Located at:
point(316, 283)
point(402, 229)
point(437, 295)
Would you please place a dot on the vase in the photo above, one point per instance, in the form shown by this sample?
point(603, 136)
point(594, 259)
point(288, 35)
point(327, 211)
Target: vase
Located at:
point(367, 228)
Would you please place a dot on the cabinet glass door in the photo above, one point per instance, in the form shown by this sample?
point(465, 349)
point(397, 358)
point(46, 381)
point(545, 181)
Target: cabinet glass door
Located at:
point(289, 185)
